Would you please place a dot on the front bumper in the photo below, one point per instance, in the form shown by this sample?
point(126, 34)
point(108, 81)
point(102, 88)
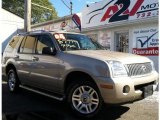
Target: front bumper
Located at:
point(3, 69)
point(116, 95)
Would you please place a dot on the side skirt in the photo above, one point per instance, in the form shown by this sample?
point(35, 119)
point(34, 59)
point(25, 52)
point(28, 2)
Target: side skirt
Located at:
point(49, 94)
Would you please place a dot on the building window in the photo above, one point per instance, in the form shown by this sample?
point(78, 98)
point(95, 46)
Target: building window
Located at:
point(122, 42)
point(94, 37)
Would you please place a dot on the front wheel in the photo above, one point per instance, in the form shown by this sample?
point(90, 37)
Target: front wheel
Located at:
point(85, 99)
point(13, 82)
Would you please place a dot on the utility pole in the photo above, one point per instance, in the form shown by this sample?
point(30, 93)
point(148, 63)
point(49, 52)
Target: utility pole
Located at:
point(27, 15)
point(71, 7)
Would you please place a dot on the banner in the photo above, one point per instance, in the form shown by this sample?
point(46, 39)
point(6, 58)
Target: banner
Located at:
point(146, 42)
point(110, 11)
point(105, 38)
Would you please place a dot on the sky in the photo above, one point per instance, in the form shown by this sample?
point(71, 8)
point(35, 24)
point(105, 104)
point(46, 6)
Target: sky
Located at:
point(78, 5)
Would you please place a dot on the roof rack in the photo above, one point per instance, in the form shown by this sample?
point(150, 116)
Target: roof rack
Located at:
point(36, 31)
point(41, 31)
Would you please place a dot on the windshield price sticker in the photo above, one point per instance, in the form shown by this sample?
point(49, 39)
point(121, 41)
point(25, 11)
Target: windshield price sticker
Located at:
point(59, 36)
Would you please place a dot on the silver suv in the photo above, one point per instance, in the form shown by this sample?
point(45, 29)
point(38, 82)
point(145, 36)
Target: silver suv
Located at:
point(72, 67)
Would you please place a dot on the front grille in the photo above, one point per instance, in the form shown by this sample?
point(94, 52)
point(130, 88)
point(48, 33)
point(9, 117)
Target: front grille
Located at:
point(139, 69)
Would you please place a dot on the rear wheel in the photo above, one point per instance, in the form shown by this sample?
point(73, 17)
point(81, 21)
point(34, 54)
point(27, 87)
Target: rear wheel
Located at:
point(85, 99)
point(13, 82)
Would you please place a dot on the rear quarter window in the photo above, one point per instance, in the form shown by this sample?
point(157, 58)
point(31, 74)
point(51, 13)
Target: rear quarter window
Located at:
point(12, 44)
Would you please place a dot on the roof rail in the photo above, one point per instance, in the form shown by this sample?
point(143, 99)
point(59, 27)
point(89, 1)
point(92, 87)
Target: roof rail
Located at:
point(58, 31)
point(36, 31)
point(41, 31)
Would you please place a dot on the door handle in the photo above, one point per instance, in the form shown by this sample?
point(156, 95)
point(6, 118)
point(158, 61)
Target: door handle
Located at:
point(35, 58)
point(16, 56)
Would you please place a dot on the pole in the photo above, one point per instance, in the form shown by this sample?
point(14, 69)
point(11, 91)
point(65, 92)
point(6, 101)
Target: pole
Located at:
point(71, 8)
point(27, 15)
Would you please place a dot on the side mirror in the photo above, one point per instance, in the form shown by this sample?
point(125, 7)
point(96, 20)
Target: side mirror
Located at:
point(49, 51)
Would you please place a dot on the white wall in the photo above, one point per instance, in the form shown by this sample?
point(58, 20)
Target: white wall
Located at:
point(132, 41)
point(130, 29)
point(9, 23)
point(96, 21)
point(56, 26)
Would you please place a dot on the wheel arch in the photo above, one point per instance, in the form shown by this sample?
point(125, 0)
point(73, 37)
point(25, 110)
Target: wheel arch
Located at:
point(9, 66)
point(71, 78)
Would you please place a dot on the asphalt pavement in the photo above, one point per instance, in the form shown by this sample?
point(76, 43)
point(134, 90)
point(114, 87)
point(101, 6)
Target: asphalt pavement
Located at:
point(27, 105)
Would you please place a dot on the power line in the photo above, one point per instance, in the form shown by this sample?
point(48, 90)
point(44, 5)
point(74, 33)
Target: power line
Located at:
point(41, 6)
point(69, 7)
point(67, 1)
point(65, 4)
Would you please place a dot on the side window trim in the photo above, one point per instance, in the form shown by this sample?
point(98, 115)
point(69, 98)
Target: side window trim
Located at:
point(24, 38)
point(38, 36)
point(35, 44)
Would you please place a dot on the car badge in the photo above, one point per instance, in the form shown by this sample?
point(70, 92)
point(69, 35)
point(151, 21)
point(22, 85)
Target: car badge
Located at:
point(143, 68)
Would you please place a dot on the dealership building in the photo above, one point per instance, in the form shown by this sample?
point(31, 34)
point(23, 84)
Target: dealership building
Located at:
point(130, 26)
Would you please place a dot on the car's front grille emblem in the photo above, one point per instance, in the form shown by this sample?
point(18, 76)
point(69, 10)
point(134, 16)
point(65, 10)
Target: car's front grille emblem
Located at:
point(139, 69)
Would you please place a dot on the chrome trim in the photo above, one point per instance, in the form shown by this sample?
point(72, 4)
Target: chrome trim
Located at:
point(139, 69)
point(85, 99)
point(42, 93)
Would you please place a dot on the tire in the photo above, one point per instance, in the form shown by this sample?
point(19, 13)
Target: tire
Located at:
point(84, 98)
point(13, 82)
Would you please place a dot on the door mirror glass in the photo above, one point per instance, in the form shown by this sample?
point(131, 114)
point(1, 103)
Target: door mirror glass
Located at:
point(49, 51)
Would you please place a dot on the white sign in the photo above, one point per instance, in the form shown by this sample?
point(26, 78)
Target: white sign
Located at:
point(146, 42)
point(109, 11)
point(55, 26)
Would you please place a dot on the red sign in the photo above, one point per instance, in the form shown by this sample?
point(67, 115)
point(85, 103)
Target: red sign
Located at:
point(122, 12)
point(154, 51)
point(77, 21)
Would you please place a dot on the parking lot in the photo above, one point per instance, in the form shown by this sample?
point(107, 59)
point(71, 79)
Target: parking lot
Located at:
point(31, 106)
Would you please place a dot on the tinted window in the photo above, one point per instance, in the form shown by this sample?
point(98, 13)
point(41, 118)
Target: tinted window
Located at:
point(76, 42)
point(12, 44)
point(43, 41)
point(27, 45)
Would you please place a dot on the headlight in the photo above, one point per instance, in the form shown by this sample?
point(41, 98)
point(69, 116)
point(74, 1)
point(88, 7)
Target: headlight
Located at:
point(117, 68)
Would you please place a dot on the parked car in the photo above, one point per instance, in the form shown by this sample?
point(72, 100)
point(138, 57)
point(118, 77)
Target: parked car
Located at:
point(70, 66)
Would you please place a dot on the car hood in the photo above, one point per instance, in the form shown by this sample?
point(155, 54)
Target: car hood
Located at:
point(104, 55)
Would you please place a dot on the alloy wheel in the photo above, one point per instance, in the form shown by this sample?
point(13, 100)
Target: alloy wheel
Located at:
point(85, 99)
point(12, 81)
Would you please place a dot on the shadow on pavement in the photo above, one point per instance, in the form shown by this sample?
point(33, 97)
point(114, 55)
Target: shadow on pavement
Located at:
point(26, 105)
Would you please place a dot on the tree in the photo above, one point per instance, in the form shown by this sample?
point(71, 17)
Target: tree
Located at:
point(39, 14)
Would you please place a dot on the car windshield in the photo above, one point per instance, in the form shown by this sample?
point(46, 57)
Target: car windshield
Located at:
point(68, 42)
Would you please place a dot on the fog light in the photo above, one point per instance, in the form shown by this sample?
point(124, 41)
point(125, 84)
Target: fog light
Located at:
point(126, 89)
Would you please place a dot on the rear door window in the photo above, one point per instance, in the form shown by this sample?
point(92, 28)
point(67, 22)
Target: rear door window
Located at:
point(28, 44)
